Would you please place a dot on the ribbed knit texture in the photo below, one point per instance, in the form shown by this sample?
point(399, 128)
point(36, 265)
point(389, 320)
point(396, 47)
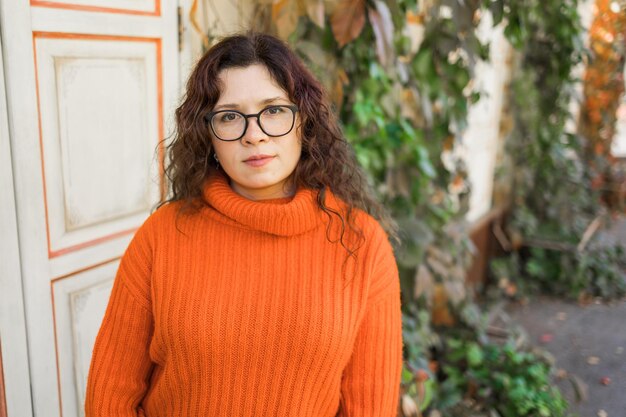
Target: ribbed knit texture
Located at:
point(247, 309)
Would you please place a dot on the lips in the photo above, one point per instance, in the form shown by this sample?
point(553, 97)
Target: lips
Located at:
point(257, 157)
point(259, 160)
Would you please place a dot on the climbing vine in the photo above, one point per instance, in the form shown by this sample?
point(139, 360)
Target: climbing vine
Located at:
point(400, 74)
point(555, 209)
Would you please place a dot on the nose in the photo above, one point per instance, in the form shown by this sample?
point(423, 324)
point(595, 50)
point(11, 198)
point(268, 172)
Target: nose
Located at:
point(253, 133)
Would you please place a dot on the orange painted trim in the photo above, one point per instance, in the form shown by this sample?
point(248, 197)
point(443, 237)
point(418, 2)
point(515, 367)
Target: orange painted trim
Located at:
point(92, 242)
point(160, 128)
point(56, 351)
point(156, 11)
point(66, 35)
point(41, 157)
point(87, 268)
point(3, 401)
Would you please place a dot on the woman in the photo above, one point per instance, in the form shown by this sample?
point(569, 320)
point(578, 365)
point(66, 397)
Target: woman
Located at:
point(263, 287)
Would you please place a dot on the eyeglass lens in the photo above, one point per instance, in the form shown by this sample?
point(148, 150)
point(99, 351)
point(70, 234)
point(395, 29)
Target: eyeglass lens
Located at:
point(274, 121)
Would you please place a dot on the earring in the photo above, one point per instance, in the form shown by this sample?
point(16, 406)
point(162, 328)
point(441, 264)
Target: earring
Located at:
point(217, 161)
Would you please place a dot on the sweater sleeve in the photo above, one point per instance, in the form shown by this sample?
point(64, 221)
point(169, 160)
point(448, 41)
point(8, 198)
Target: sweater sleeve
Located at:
point(120, 364)
point(371, 380)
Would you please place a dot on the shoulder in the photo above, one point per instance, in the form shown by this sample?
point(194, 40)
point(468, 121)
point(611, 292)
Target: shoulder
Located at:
point(161, 222)
point(164, 214)
point(373, 232)
point(159, 217)
point(370, 229)
point(378, 257)
point(371, 241)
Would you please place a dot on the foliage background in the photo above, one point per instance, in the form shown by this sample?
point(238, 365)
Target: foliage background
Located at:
point(401, 74)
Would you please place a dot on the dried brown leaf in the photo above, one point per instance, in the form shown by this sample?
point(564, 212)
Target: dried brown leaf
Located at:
point(341, 79)
point(441, 312)
point(593, 360)
point(409, 104)
point(337, 94)
point(315, 11)
point(382, 24)
point(285, 14)
point(193, 18)
point(437, 267)
point(347, 20)
point(424, 283)
point(315, 53)
point(455, 291)
point(581, 389)
point(439, 254)
point(546, 338)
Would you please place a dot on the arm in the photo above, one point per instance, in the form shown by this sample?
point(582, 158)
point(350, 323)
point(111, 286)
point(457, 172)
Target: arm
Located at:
point(371, 380)
point(120, 365)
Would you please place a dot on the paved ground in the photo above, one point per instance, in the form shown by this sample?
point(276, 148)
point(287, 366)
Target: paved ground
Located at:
point(589, 342)
point(614, 234)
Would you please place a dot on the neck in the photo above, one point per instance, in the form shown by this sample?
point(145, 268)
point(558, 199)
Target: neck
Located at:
point(282, 190)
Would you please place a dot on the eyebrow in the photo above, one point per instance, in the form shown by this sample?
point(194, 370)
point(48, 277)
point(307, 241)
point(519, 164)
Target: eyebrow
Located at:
point(236, 106)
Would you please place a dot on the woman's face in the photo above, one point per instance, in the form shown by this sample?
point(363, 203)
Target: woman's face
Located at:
point(249, 90)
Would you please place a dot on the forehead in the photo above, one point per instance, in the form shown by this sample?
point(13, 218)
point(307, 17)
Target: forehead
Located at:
point(248, 85)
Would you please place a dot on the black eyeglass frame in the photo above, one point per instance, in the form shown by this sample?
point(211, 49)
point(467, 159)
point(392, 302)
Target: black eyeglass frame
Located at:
point(209, 120)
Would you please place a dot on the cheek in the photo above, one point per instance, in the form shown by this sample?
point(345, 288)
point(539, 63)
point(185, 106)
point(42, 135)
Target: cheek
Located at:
point(295, 149)
point(299, 142)
point(299, 147)
point(221, 149)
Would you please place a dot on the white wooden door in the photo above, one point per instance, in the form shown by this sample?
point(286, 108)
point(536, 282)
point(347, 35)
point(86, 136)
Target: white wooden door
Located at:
point(91, 86)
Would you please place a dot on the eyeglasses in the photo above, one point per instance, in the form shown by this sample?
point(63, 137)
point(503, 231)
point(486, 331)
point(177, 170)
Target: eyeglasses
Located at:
point(231, 125)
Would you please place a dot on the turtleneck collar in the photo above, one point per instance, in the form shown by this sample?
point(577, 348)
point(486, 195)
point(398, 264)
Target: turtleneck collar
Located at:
point(282, 216)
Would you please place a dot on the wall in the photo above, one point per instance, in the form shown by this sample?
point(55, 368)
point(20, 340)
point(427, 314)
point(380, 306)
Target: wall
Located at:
point(482, 139)
point(205, 23)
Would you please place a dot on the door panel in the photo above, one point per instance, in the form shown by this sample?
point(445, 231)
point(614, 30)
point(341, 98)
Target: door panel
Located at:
point(99, 121)
point(91, 90)
point(79, 302)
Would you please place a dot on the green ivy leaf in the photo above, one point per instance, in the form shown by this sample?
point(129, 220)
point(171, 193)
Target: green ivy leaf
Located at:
point(474, 355)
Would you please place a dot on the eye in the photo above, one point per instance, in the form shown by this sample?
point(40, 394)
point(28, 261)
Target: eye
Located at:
point(275, 110)
point(226, 117)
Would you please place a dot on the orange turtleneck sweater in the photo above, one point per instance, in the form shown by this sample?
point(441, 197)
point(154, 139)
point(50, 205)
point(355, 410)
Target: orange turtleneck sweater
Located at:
point(246, 309)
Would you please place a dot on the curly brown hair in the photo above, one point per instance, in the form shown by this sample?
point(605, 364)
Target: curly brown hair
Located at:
point(327, 159)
